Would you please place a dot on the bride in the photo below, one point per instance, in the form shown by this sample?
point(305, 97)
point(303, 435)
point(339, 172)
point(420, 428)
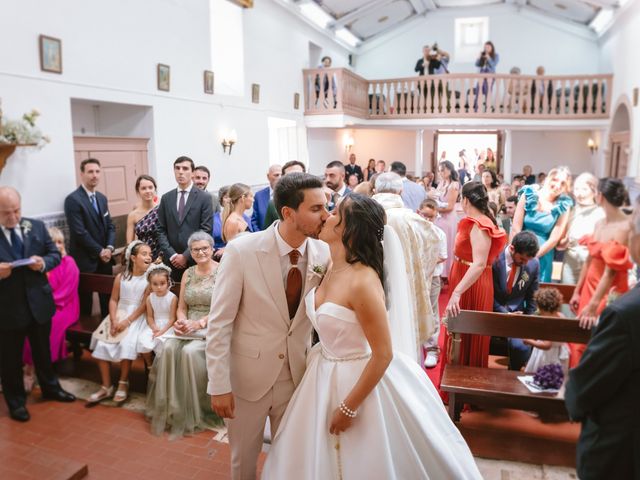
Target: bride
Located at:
point(362, 410)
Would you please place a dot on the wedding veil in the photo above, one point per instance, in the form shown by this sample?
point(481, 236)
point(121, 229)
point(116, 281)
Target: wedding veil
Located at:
point(398, 294)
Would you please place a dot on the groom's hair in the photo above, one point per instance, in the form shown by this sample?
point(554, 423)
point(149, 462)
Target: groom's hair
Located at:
point(289, 191)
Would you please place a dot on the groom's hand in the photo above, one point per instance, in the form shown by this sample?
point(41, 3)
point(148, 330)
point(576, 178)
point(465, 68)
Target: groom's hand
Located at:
point(223, 405)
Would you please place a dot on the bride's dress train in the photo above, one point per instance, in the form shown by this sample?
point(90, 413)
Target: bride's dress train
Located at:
point(402, 430)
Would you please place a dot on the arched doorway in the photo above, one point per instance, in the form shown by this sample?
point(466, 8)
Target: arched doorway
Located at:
point(619, 140)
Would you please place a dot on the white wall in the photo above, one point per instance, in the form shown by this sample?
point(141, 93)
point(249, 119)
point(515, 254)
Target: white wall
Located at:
point(110, 51)
point(544, 150)
point(520, 40)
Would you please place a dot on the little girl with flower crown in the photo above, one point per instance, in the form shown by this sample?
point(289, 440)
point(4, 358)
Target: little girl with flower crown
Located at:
point(161, 307)
point(546, 352)
point(126, 312)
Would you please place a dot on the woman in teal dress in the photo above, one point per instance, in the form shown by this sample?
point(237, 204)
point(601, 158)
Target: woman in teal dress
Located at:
point(177, 393)
point(545, 212)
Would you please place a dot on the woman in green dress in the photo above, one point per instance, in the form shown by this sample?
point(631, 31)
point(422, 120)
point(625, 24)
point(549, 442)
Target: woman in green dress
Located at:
point(177, 397)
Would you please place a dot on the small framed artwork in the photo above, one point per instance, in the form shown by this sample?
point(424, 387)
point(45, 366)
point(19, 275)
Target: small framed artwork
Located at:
point(164, 77)
point(296, 101)
point(255, 93)
point(208, 82)
point(50, 54)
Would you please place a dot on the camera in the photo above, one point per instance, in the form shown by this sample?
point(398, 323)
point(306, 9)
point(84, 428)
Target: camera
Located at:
point(434, 50)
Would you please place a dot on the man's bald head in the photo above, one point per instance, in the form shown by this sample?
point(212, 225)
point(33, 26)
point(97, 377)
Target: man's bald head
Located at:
point(10, 207)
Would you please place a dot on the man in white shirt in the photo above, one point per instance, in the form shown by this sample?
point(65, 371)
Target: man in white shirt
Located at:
point(429, 211)
point(334, 179)
point(412, 193)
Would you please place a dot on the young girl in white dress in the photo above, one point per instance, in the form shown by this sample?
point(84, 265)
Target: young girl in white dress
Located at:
point(545, 352)
point(126, 306)
point(161, 307)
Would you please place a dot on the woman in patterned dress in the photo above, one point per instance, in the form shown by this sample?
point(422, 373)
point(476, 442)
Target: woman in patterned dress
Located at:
point(142, 220)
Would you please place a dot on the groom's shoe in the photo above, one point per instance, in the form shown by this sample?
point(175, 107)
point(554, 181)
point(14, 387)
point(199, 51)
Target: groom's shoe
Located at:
point(59, 396)
point(20, 414)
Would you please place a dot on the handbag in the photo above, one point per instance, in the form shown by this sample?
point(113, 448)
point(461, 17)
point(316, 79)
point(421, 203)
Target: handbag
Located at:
point(103, 332)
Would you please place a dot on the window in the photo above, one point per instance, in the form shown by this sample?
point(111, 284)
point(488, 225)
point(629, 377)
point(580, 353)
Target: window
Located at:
point(287, 141)
point(470, 35)
point(227, 48)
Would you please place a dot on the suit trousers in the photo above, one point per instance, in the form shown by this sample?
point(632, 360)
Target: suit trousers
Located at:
point(434, 295)
point(11, 348)
point(246, 430)
point(519, 353)
point(86, 299)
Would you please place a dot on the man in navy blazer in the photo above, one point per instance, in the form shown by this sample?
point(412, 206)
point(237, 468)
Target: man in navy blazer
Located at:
point(263, 197)
point(26, 303)
point(92, 232)
point(515, 280)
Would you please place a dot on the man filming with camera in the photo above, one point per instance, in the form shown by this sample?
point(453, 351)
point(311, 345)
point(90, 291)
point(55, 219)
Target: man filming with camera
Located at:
point(434, 61)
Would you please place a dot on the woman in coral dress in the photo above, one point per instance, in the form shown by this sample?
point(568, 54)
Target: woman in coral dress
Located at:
point(605, 273)
point(478, 242)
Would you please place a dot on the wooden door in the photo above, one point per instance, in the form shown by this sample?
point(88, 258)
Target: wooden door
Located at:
point(618, 154)
point(122, 160)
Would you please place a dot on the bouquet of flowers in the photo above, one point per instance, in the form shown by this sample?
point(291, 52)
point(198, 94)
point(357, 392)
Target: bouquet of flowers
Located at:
point(549, 376)
point(23, 131)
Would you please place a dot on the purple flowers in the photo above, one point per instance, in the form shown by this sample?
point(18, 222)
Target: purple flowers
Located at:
point(549, 376)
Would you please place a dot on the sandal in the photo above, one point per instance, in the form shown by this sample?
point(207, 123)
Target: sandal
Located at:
point(122, 393)
point(102, 394)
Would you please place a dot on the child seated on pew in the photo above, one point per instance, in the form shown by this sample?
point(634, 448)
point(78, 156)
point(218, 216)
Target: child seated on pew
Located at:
point(161, 307)
point(545, 352)
point(126, 313)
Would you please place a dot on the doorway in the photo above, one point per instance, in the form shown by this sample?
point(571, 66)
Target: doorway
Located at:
point(619, 141)
point(467, 148)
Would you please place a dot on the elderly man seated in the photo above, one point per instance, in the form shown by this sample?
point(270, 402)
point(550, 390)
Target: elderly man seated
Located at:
point(420, 245)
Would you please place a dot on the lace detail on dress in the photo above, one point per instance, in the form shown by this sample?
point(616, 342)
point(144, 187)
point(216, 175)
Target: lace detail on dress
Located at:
point(197, 293)
point(145, 230)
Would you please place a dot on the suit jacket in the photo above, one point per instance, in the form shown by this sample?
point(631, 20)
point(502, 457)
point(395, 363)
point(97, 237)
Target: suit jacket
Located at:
point(26, 294)
point(89, 231)
point(351, 169)
point(260, 205)
point(173, 233)
point(249, 330)
point(603, 392)
point(521, 297)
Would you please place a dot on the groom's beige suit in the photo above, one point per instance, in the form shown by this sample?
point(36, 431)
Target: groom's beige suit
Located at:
point(254, 349)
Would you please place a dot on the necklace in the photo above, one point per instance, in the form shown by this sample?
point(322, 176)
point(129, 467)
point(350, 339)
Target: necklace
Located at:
point(339, 270)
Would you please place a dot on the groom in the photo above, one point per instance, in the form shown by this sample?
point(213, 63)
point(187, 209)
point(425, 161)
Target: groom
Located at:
point(259, 332)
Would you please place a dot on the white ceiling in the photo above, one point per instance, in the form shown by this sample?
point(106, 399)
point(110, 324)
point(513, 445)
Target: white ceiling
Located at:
point(369, 18)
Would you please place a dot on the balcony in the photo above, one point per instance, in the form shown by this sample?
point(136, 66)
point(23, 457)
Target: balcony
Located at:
point(510, 98)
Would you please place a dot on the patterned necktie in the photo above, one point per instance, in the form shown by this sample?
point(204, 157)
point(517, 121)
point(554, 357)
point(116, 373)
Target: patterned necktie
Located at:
point(511, 279)
point(294, 283)
point(94, 202)
point(16, 243)
point(181, 204)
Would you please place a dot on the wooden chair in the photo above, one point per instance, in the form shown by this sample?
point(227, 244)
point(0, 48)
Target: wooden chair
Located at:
point(498, 387)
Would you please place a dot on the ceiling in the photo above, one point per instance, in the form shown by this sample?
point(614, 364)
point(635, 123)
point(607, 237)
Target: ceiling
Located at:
point(367, 19)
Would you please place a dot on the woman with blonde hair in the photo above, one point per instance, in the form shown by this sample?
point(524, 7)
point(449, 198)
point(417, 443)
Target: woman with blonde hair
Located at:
point(582, 221)
point(545, 212)
point(233, 218)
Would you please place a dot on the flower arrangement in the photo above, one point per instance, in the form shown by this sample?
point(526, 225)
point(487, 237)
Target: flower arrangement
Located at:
point(549, 376)
point(23, 131)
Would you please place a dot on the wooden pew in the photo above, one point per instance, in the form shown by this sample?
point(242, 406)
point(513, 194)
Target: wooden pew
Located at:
point(498, 387)
point(79, 334)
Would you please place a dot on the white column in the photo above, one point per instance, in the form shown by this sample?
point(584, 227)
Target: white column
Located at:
point(419, 153)
point(507, 161)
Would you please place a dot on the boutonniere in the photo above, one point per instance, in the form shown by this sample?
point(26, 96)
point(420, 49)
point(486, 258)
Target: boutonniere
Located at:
point(319, 269)
point(524, 279)
point(25, 225)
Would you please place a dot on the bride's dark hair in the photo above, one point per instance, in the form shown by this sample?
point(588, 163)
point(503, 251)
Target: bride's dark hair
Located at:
point(364, 221)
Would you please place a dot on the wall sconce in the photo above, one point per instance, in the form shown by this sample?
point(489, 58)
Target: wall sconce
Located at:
point(348, 142)
point(228, 141)
point(593, 146)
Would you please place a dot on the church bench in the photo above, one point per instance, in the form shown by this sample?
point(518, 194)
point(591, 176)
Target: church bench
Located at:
point(79, 334)
point(498, 387)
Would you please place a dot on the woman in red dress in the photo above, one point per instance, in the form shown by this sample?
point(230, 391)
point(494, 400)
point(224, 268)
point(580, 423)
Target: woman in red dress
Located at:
point(605, 273)
point(478, 242)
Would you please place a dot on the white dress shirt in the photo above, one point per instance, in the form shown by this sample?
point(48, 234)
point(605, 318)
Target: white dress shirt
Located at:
point(7, 233)
point(186, 195)
point(508, 262)
point(285, 264)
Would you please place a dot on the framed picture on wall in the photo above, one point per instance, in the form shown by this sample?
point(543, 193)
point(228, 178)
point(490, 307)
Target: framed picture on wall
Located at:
point(50, 54)
point(255, 93)
point(164, 77)
point(208, 82)
point(296, 101)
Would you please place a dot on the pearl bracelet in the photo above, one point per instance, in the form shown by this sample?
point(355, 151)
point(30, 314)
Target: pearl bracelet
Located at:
point(347, 411)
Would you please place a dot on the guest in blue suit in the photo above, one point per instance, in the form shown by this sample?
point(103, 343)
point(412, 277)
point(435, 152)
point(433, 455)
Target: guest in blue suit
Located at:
point(27, 304)
point(92, 232)
point(262, 198)
point(515, 280)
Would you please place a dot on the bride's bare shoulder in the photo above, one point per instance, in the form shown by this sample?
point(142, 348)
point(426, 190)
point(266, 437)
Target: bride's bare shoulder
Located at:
point(364, 277)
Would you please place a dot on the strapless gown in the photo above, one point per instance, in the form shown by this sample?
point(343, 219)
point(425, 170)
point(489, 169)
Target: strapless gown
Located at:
point(402, 430)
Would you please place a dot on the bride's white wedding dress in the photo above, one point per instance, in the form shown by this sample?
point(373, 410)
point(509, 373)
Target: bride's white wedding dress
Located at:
point(402, 430)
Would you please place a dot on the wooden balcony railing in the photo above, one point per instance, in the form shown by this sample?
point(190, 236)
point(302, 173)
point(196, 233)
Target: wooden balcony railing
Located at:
point(340, 91)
